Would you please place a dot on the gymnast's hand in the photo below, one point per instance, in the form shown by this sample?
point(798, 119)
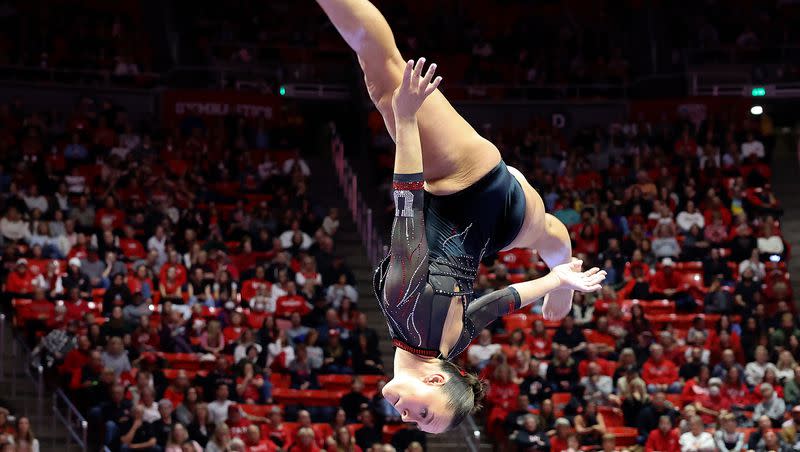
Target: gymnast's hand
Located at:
point(414, 89)
point(571, 277)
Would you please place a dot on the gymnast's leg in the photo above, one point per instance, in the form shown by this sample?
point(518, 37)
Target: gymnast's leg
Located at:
point(454, 154)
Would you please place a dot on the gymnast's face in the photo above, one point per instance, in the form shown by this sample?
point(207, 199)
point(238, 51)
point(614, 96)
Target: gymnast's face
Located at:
point(420, 400)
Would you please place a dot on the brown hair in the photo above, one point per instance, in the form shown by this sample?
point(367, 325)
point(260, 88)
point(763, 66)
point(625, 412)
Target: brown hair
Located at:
point(464, 391)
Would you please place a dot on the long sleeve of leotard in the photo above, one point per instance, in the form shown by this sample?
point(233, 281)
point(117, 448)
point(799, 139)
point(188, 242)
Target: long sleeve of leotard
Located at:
point(407, 272)
point(490, 307)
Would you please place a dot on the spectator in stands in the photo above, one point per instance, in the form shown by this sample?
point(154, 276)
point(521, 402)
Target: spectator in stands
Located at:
point(660, 374)
point(754, 371)
point(571, 337)
point(220, 440)
point(162, 428)
point(718, 300)
point(369, 433)
point(529, 436)
point(354, 401)
point(562, 373)
point(201, 428)
point(771, 405)
point(791, 390)
point(115, 356)
point(727, 438)
point(598, 386)
point(137, 433)
point(478, 354)
point(696, 439)
point(664, 438)
point(558, 441)
point(179, 440)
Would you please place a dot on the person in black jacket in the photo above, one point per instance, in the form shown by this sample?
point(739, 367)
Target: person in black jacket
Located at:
point(530, 438)
point(370, 433)
point(410, 434)
point(117, 294)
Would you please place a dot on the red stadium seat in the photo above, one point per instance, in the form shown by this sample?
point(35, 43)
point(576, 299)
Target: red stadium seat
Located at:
point(612, 417)
point(389, 430)
point(625, 436)
point(517, 320)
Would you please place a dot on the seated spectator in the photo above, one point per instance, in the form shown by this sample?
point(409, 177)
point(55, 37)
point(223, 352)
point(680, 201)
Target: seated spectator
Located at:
point(660, 374)
point(696, 439)
point(598, 386)
point(303, 376)
point(754, 371)
point(354, 401)
point(218, 408)
point(162, 428)
point(212, 341)
point(791, 389)
point(137, 433)
point(771, 406)
point(773, 442)
point(570, 336)
point(559, 440)
point(791, 427)
point(529, 436)
point(754, 263)
point(589, 425)
point(369, 433)
point(718, 300)
point(342, 441)
point(115, 356)
point(727, 438)
point(220, 441)
point(237, 424)
point(341, 289)
point(179, 441)
point(665, 438)
point(763, 425)
point(150, 409)
point(249, 385)
point(305, 441)
point(562, 373)
point(478, 354)
point(540, 342)
point(710, 406)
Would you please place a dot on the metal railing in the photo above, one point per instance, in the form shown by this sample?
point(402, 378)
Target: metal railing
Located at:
point(21, 354)
point(362, 214)
point(71, 418)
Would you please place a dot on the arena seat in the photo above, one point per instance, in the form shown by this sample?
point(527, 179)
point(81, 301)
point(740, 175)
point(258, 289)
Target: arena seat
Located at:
point(307, 397)
point(389, 430)
point(517, 320)
point(612, 417)
point(625, 436)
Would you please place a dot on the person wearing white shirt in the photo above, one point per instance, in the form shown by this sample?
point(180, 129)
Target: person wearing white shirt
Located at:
point(337, 292)
point(286, 237)
point(289, 165)
point(479, 354)
point(755, 264)
point(330, 224)
point(690, 217)
point(218, 409)
point(752, 147)
point(158, 242)
point(754, 371)
point(281, 345)
point(12, 227)
point(35, 201)
point(149, 404)
point(697, 439)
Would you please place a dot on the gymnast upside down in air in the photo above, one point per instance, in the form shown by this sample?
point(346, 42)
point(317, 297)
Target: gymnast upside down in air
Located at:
point(469, 204)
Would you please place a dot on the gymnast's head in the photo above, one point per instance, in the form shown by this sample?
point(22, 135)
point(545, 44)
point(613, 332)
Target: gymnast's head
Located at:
point(433, 393)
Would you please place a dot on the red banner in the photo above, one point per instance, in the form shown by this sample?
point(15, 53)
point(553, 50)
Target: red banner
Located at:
point(180, 103)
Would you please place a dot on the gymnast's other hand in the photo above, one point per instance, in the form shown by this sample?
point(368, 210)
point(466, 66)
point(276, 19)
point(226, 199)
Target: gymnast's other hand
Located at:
point(571, 277)
point(414, 89)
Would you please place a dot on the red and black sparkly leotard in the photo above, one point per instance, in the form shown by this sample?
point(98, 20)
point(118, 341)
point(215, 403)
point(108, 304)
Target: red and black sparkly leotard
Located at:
point(436, 245)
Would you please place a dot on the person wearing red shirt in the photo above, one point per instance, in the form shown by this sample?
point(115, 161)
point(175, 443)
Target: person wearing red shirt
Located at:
point(502, 396)
point(660, 374)
point(173, 262)
point(666, 281)
point(109, 215)
point(20, 281)
point(176, 390)
point(276, 430)
point(710, 405)
point(76, 306)
point(130, 246)
point(304, 422)
point(291, 302)
point(254, 443)
point(664, 438)
point(251, 286)
point(735, 390)
point(237, 424)
point(76, 358)
point(305, 442)
point(540, 342)
point(607, 367)
point(558, 442)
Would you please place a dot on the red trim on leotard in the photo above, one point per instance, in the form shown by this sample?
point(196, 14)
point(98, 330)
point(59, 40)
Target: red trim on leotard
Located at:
point(416, 185)
point(417, 351)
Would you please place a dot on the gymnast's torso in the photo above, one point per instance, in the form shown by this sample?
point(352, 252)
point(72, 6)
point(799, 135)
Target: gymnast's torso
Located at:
point(424, 273)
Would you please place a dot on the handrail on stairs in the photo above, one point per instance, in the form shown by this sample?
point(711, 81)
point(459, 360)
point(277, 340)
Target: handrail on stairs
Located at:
point(362, 213)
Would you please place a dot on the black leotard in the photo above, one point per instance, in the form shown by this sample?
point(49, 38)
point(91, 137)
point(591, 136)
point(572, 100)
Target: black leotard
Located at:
point(436, 246)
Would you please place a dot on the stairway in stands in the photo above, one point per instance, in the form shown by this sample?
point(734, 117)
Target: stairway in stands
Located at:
point(348, 244)
point(19, 395)
point(785, 168)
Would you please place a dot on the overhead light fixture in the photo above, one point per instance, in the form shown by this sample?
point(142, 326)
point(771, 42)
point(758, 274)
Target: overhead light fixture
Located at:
point(756, 110)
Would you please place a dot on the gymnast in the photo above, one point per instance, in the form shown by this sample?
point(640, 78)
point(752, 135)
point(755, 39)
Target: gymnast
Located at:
point(424, 285)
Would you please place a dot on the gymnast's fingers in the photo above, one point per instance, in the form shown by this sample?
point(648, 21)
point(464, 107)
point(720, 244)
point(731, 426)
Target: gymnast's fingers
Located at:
point(418, 71)
point(591, 271)
point(429, 74)
point(433, 85)
point(407, 74)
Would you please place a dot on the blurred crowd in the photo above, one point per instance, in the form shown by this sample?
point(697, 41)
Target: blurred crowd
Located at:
point(175, 281)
